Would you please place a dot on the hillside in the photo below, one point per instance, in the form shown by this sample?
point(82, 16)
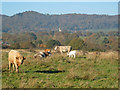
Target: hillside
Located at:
point(34, 21)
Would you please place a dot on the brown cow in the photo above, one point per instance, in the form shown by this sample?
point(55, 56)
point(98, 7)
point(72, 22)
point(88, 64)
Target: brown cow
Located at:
point(47, 50)
point(15, 58)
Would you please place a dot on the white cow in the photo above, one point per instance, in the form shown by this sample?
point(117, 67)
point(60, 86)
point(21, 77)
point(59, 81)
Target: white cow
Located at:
point(72, 53)
point(63, 49)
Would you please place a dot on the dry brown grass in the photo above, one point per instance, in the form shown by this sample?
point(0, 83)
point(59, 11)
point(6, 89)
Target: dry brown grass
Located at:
point(109, 55)
point(20, 50)
point(102, 55)
point(72, 74)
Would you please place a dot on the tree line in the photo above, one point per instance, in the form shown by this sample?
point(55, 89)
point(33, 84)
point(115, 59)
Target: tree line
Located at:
point(89, 41)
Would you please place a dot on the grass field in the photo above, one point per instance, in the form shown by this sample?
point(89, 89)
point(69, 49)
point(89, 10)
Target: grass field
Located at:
point(60, 71)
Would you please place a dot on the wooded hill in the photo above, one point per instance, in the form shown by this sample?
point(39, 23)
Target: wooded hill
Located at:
point(34, 21)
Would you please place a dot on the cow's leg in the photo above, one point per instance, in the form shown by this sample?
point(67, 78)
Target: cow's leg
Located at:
point(16, 67)
point(74, 55)
point(68, 51)
point(9, 65)
point(61, 52)
point(13, 66)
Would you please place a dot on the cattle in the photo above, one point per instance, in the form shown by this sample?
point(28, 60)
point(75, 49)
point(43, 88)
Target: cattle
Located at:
point(47, 54)
point(72, 53)
point(16, 59)
point(47, 50)
point(62, 49)
point(42, 54)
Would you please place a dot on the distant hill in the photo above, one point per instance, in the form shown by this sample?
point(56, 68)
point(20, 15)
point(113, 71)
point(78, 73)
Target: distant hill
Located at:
point(34, 21)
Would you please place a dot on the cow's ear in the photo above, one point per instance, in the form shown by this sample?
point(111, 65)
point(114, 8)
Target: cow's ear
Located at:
point(17, 57)
point(24, 58)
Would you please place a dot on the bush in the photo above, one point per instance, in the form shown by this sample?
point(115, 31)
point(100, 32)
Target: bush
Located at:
point(15, 46)
point(5, 47)
point(38, 42)
point(52, 43)
point(77, 43)
point(27, 45)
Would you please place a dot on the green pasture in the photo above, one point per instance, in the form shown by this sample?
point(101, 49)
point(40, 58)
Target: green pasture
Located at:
point(60, 71)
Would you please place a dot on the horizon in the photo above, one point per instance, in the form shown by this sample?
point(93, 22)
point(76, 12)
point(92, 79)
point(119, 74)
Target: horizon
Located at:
point(59, 8)
point(59, 14)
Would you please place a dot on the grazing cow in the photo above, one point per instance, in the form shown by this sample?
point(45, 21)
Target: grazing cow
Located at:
point(47, 50)
point(72, 53)
point(15, 58)
point(62, 49)
point(42, 54)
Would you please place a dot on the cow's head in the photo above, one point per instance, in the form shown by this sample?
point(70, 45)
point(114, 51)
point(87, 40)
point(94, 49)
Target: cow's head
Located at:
point(49, 50)
point(20, 59)
point(24, 58)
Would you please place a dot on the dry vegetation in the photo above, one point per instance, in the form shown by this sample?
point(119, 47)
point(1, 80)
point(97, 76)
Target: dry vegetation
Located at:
point(90, 70)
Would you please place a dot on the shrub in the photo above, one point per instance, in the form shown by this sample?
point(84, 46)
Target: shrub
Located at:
point(27, 45)
point(77, 43)
point(15, 46)
point(52, 43)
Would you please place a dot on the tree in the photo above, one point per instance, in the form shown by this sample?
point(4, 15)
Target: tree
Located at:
point(105, 41)
point(15, 46)
point(33, 36)
point(52, 43)
point(27, 45)
point(77, 43)
point(38, 42)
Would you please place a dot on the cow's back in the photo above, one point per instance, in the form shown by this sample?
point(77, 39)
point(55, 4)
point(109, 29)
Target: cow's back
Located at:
point(65, 48)
point(69, 48)
point(12, 54)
